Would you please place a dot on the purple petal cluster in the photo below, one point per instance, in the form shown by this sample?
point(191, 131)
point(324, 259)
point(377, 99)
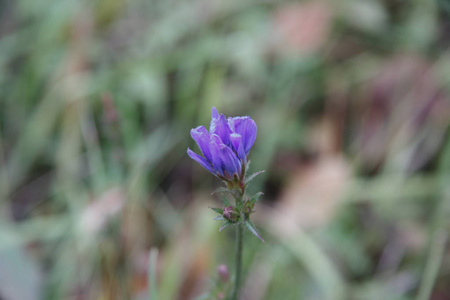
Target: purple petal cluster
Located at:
point(225, 146)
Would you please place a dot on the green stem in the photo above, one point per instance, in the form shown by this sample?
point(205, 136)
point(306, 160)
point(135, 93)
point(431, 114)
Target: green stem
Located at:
point(239, 247)
point(152, 261)
point(239, 241)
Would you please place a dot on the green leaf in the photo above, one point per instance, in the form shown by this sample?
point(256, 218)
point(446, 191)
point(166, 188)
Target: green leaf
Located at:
point(251, 227)
point(221, 190)
point(247, 166)
point(219, 218)
point(251, 177)
point(239, 205)
point(256, 197)
point(225, 225)
point(235, 192)
point(217, 210)
point(226, 202)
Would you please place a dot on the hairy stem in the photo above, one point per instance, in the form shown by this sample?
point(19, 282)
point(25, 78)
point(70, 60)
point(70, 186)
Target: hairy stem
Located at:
point(238, 271)
point(239, 246)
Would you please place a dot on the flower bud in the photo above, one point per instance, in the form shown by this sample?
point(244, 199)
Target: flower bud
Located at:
point(222, 271)
point(248, 207)
point(229, 213)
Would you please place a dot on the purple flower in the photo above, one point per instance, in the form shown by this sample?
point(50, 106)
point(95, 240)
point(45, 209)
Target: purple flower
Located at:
point(225, 146)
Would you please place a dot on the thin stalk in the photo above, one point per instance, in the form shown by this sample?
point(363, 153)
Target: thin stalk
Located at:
point(152, 261)
point(239, 243)
point(439, 235)
point(238, 271)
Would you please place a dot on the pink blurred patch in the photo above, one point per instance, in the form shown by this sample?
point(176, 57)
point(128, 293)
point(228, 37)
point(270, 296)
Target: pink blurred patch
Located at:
point(97, 213)
point(312, 195)
point(302, 28)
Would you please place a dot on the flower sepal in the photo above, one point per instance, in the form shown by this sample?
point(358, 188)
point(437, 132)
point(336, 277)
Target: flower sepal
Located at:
point(252, 228)
point(217, 210)
point(226, 224)
point(251, 177)
point(255, 198)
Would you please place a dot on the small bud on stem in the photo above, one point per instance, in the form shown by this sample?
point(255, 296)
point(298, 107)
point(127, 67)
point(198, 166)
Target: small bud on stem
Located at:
point(222, 271)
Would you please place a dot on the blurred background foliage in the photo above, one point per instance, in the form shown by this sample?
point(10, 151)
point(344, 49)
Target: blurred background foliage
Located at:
point(352, 104)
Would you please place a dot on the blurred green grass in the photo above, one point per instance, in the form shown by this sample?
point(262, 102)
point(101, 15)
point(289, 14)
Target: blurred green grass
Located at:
point(352, 104)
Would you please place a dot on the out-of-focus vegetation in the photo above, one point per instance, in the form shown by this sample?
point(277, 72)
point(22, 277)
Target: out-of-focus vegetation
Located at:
point(351, 99)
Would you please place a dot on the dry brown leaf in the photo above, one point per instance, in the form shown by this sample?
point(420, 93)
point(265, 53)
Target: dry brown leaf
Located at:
point(96, 214)
point(312, 194)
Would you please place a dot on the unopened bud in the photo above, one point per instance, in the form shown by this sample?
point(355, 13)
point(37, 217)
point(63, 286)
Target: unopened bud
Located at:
point(222, 270)
point(228, 213)
point(248, 207)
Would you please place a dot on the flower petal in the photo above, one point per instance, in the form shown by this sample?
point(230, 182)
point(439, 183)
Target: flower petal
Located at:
point(214, 147)
point(201, 160)
point(214, 118)
point(226, 146)
point(230, 163)
point(236, 142)
point(214, 113)
point(219, 126)
point(246, 127)
point(202, 138)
